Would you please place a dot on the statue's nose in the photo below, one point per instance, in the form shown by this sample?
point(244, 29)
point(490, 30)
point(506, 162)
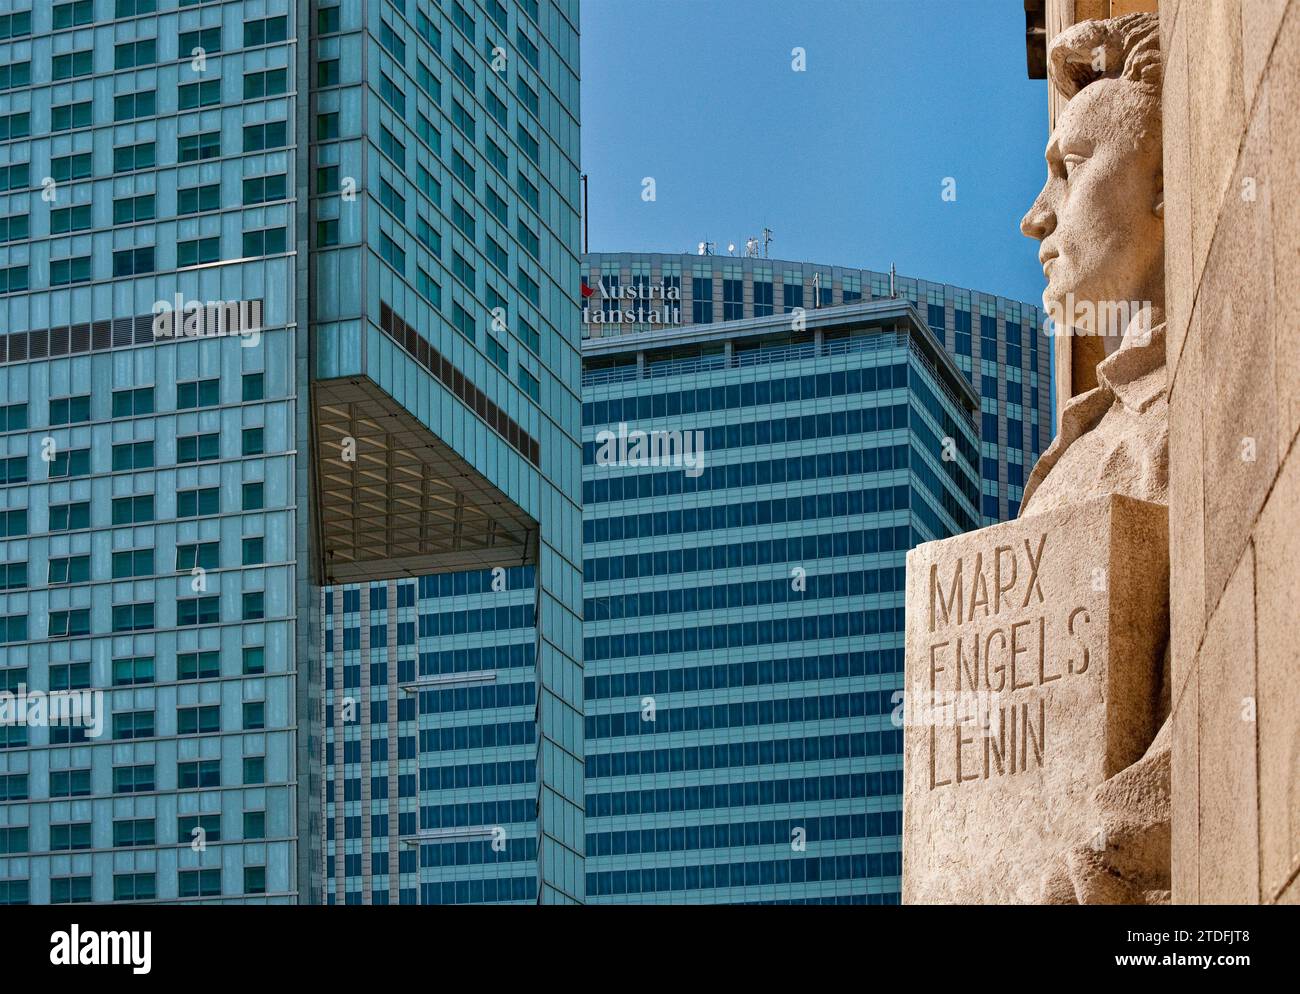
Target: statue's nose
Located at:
point(1040, 220)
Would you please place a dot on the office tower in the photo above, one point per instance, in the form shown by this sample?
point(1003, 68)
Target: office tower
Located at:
point(994, 341)
point(744, 612)
point(744, 615)
point(286, 299)
point(473, 204)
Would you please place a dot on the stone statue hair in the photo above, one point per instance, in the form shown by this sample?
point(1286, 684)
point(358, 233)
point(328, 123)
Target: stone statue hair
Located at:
point(1126, 48)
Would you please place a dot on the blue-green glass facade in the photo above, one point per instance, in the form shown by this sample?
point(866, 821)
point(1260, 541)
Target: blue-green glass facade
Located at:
point(154, 542)
point(391, 187)
point(446, 808)
point(744, 620)
point(445, 204)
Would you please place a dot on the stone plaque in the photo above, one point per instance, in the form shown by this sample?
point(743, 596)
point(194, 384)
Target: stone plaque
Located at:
point(1034, 661)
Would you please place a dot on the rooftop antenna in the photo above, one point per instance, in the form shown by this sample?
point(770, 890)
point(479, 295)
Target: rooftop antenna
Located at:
point(767, 240)
point(731, 248)
point(751, 247)
point(706, 248)
point(892, 292)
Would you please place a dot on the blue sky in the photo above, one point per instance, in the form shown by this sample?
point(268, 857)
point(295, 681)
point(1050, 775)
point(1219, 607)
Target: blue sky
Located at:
point(846, 161)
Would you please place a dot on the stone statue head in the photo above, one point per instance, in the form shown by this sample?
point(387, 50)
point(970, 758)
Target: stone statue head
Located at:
point(1100, 216)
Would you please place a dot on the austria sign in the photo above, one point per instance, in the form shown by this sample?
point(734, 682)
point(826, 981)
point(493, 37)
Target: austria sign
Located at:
point(632, 304)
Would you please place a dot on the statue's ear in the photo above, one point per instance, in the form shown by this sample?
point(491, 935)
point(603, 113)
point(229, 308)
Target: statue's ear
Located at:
point(1158, 209)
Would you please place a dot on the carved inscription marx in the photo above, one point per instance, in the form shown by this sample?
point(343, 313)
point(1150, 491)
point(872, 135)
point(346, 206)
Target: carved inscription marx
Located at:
point(1030, 678)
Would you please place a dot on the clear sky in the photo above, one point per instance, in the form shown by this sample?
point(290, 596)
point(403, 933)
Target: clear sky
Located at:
point(846, 161)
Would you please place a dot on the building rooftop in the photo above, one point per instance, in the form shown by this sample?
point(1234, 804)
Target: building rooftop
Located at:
point(861, 326)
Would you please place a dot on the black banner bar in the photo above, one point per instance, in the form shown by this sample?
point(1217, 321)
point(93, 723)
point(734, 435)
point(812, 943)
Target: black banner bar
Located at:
point(132, 944)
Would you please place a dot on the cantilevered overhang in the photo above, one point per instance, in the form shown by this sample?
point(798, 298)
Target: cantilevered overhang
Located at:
point(396, 500)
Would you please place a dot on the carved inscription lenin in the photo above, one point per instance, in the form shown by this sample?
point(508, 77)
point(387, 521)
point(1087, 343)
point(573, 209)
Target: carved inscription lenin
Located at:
point(1032, 668)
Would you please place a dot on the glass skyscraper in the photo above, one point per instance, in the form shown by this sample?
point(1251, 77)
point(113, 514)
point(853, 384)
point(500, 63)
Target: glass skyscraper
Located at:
point(744, 617)
point(451, 291)
point(285, 303)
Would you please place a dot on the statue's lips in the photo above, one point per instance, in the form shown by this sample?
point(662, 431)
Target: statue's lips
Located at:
point(1047, 266)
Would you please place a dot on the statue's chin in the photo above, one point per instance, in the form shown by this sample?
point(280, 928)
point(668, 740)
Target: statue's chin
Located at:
point(1055, 305)
point(1070, 309)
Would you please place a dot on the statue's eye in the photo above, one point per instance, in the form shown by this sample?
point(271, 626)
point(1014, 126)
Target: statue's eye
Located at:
point(1072, 162)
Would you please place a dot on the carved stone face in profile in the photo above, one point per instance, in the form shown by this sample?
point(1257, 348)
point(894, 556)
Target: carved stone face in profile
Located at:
point(1100, 216)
